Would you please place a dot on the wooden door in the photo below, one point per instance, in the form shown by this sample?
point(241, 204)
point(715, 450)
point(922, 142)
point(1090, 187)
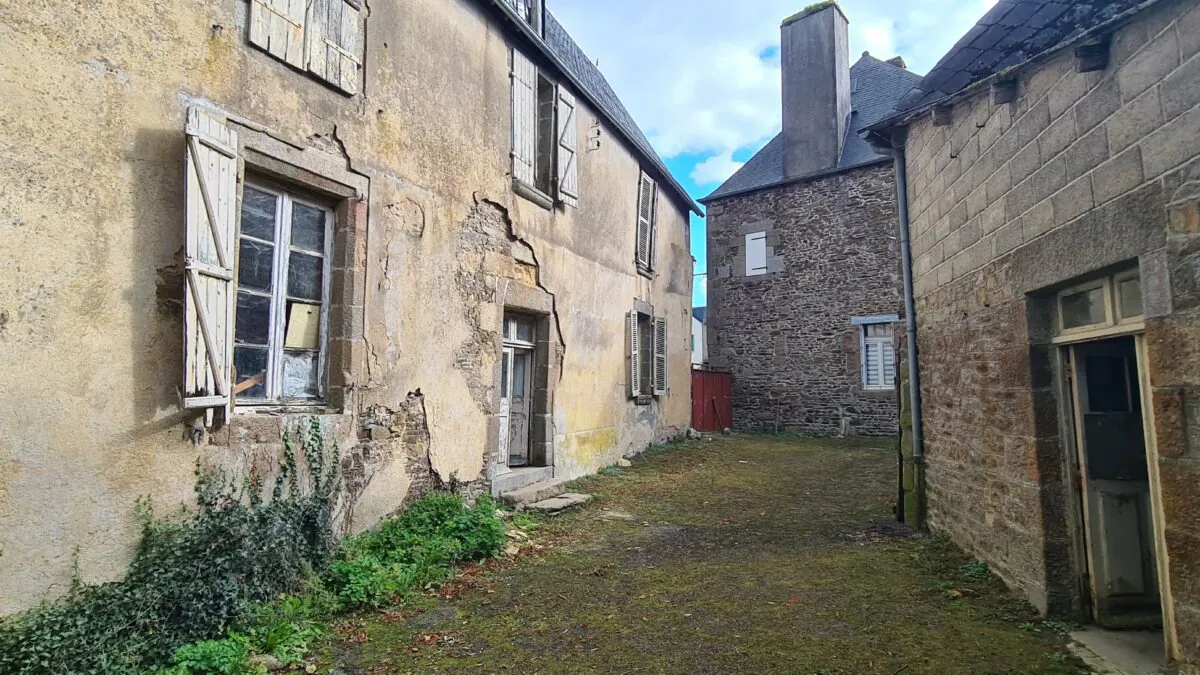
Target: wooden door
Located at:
point(519, 404)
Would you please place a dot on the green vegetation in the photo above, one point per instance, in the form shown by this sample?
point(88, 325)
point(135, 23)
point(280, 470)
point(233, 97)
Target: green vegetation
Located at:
point(252, 570)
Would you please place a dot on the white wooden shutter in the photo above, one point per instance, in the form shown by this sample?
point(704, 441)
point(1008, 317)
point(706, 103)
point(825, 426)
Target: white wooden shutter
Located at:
point(647, 190)
point(334, 44)
point(756, 254)
point(524, 122)
point(635, 368)
point(211, 218)
point(278, 27)
point(660, 357)
point(889, 364)
point(568, 141)
point(871, 364)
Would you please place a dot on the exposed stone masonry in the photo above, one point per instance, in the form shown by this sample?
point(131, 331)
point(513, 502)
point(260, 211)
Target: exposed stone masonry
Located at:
point(787, 335)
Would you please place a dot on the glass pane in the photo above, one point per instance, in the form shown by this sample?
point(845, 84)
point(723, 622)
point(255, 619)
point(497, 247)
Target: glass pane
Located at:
point(304, 276)
point(504, 374)
point(520, 366)
point(1107, 384)
point(879, 330)
point(1085, 308)
point(525, 330)
point(255, 262)
point(300, 375)
point(253, 319)
point(1131, 297)
point(258, 214)
point(308, 228)
point(251, 362)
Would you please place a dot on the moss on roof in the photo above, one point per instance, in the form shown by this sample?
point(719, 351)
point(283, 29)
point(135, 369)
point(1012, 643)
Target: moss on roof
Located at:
point(813, 9)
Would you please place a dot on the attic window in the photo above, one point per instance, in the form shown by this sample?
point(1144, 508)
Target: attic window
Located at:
point(530, 12)
point(854, 86)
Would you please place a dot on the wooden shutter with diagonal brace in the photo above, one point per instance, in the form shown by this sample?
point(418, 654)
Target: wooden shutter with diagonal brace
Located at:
point(334, 47)
point(524, 122)
point(568, 139)
point(211, 226)
point(278, 27)
point(660, 356)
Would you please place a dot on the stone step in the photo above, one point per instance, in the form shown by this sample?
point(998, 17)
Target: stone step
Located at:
point(516, 479)
point(535, 493)
point(556, 505)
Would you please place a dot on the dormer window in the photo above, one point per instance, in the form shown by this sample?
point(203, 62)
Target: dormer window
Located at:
point(530, 12)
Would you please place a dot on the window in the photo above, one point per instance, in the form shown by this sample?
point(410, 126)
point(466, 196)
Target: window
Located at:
point(756, 254)
point(1101, 304)
point(647, 224)
point(544, 137)
point(647, 341)
point(530, 12)
point(878, 357)
point(282, 297)
point(320, 36)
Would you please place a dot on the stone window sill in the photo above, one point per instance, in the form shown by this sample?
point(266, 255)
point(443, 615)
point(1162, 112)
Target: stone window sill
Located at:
point(879, 393)
point(645, 271)
point(533, 194)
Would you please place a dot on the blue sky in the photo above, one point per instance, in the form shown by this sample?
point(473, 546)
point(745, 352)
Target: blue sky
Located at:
point(701, 77)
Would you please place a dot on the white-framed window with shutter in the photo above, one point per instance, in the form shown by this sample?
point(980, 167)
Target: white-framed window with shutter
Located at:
point(756, 254)
point(283, 275)
point(530, 12)
point(647, 224)
point(646, 338)
point(878, 356)
point(323, 37)
point(544, 136)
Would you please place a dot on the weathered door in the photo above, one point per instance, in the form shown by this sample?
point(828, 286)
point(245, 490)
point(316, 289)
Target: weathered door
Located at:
point(1116, 485)
point(505, 408)
point(518, 408)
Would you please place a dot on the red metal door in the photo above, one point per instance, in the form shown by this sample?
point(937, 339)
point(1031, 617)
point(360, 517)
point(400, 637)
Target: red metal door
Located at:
point(712, 400)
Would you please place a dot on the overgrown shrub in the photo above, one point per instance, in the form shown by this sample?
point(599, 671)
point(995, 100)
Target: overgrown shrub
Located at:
point(190, 579)
point(212, 657)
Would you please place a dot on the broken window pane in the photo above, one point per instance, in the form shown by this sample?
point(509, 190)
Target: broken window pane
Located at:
point(255, 262)
point(300, 375)
point(308, 228)
point(258, 214)
point(253, 319)
point(1085, 308)
point(251, 362)
point(305, 276)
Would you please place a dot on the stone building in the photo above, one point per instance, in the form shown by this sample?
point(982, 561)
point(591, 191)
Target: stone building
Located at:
point(802, 255)
point(428, 224)
point(1053, 178)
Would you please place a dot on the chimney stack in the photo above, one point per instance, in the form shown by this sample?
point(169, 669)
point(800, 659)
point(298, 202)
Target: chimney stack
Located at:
point(815, 51)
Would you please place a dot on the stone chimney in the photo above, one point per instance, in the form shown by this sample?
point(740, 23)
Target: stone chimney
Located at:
point(815, 51)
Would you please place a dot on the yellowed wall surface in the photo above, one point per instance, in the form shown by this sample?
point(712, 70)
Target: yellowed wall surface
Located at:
point(92, 107)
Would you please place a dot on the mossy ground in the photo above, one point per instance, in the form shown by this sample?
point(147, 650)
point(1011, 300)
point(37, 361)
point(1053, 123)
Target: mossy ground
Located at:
point(740, 555)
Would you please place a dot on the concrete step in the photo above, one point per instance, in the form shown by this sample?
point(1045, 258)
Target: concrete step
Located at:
point(535, 493)
point(556, 505)
point(522, 478)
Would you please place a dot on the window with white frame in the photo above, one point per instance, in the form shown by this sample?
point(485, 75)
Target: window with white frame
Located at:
point(878, 356)
point(323, 37)
point(647, 224)
point(1101, 304)
point(282, 297)
point(544, 136)
point(530, 12)
point(756, 254)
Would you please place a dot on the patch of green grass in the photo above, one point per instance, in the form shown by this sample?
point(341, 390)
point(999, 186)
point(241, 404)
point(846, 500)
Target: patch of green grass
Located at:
point(745, 554)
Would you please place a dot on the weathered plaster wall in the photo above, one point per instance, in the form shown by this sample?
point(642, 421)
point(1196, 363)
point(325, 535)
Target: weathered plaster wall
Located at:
point(787, 334)
point(1083, 172)
point(91, 225)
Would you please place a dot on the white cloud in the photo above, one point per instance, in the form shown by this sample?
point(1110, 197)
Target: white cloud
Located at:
point(714, 170)
point(700, 76)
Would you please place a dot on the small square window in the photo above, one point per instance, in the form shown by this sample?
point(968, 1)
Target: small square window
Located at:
point(1084, 308)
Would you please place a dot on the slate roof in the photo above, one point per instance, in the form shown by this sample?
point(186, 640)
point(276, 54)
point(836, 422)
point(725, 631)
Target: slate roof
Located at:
point(877, 87)
point(700, 313)
point(597, 90)
point(1011, 33)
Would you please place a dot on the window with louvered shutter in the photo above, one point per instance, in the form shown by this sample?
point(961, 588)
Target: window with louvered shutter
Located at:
point(211, 203)
point(660, 356)
point(635, 354)
point(334, 43)
point(878, 357)
point(646, 234)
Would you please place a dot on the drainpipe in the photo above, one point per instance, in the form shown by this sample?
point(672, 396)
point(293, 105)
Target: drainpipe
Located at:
point(910, 318)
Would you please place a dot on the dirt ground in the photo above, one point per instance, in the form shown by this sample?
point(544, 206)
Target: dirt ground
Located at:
point(745, 554)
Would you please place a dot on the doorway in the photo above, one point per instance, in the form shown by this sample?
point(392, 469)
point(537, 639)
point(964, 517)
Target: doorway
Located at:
point(516, 387)
point(1114, 488)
